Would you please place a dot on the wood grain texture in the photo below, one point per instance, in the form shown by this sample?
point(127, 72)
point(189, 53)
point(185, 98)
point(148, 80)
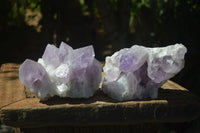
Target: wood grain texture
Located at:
point(139, 128)
point(9, 67)
point(11, 89)
point(174, 104)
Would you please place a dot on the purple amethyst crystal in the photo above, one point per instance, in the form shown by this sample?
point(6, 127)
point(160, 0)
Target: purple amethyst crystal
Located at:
point(63, 72)
point(138, 72)
point(35, 77)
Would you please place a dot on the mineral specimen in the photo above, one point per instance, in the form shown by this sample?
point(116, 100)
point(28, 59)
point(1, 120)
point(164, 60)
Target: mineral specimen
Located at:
point(138, 72)
point(63, 71)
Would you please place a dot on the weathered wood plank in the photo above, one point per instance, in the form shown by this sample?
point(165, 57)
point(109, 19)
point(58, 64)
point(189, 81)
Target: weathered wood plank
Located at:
point(9, 67)
point(32, 113)
point(139, 128)
point(174, 104)
point(11, 89)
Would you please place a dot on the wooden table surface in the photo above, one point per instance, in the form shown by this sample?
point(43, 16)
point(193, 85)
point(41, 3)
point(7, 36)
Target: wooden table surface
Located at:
point(20, 108)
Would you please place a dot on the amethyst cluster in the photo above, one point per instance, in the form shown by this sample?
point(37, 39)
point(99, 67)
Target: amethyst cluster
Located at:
point(138, 72)
point(130, 73)
point(63, 71)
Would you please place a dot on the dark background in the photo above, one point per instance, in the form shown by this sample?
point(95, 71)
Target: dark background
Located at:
point(27, 26)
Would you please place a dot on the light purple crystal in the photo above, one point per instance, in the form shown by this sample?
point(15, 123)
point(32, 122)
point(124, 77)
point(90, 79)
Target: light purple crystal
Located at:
point(63, 72)
point(65, 51)
point(132, 59)
point(138, 72)
point(83, 57)
point(51, 56)
point(34, 77)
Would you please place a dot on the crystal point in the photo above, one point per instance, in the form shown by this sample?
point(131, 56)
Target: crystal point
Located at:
point(64, 52)
point(51, 56)
point(35, 77)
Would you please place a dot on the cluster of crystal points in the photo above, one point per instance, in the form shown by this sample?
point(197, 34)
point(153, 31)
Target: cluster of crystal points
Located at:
point(63, 71)
point(138, 72)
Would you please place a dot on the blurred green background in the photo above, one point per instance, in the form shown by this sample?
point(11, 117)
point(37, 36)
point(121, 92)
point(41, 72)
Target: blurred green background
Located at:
point(27, 26)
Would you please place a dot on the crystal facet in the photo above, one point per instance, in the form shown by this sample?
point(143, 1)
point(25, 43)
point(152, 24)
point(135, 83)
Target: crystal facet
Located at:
point(138, 72)
point(63, 72)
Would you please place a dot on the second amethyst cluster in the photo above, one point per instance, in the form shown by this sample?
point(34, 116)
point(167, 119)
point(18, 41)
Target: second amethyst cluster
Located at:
point(138, 72)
